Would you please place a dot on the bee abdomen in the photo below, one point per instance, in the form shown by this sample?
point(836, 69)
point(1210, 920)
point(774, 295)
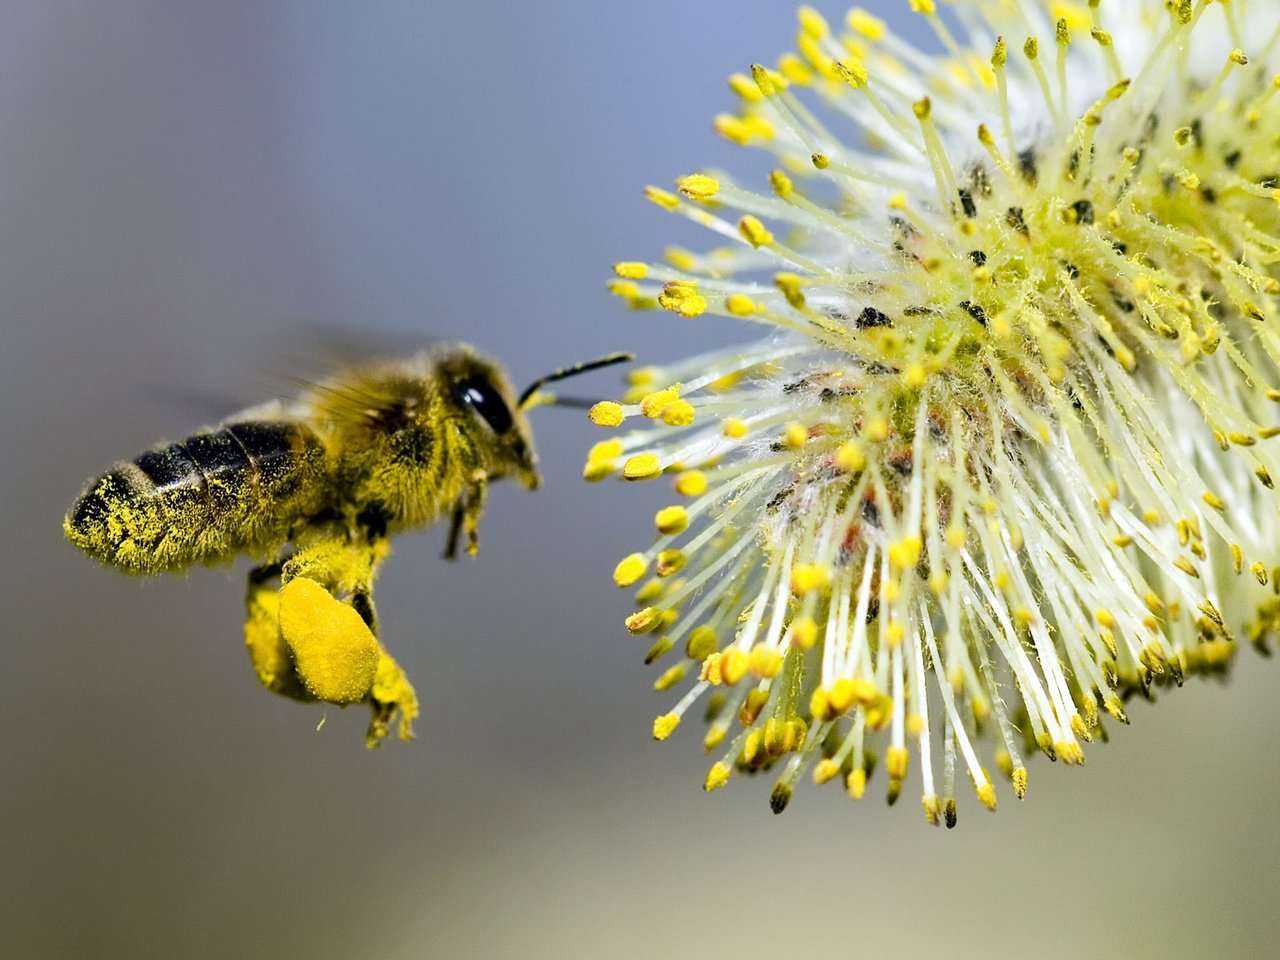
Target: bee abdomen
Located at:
point(239, 488)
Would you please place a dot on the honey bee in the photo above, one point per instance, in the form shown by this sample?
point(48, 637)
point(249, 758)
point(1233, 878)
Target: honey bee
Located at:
point(314, 489)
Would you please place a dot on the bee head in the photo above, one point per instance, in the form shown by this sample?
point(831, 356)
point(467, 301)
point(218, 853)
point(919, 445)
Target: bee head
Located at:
point(501, 435)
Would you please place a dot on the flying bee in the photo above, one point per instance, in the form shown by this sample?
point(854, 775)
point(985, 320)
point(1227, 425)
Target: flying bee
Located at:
point(314, 489)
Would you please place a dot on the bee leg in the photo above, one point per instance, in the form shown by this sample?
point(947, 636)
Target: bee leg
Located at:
point(473, 507)
point(455, 529)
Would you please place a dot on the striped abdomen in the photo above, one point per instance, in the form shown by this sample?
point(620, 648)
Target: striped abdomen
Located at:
point(242, 487)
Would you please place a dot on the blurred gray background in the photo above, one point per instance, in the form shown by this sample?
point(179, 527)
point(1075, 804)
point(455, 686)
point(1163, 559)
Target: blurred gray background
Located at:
point(181, 183)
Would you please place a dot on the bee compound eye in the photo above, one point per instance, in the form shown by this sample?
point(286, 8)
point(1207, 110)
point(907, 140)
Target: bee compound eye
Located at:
point(485, 400)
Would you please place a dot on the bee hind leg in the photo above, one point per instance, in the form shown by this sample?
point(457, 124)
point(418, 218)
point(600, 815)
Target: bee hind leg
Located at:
point(473, 507)
point(268, 652)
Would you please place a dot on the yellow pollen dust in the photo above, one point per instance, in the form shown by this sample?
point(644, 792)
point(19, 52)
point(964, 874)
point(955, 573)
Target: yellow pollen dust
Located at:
point(682, 297)
point(665, 725)
point(654, 403)
point(698, 186)
point(680, 413)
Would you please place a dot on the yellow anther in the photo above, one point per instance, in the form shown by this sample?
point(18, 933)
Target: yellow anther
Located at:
point(739, 305)
point(821, 161)
point(734, 129)
point(781, 183)
point(745, 87)
point(1186, 566)
point(643, 466)
point(691, 483)
point(765, 661)
point(895, 762)
point(898, 201)
point(631, 270)
point(698, 186)
point(825, 770)
point(1031, 48)
point(701, 643)
point(795, 436)
point(682, 297)
point(727, 382)
point(854, 74)
point(956, 536)
point(630, 569)
point(671, 561)
point(856, 783)
point(924, 6)
point(606, 413)
point(808, 577)
point(596, 470)
point(1260, 571)
point(1238, 57)
point(905, 553)
point(804, 633)
point(754, 232)
point(663, 198)
point(643, 376)
point(733, 665)
point(678, 414)
point(605, 450)
point(765, 79)
point(670, 678)
point(623, 288)
point(717, 777)
point(1000, 55)
point(735, 428)
point(864, 24)
point(653, 404)
point(1215, 501)
point(1101, 36)
point(820, 705)
point(987, 794)
point(915, 375)
point(895, 634)
point(849, 457)
point(665, 725)
point(643, 621)
point(1105, 618)
point(751, 707)
point(1062, 32)
point(791, 286)
point(876, 429)
point(922, 108)
point(813, 23)
point(672, 520)
point(796, 70)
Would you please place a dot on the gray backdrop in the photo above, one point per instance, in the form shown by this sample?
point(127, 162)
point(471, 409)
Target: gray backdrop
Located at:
point(181, 183)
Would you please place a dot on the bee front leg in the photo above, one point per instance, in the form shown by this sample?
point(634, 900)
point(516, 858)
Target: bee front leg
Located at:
point(473, 506)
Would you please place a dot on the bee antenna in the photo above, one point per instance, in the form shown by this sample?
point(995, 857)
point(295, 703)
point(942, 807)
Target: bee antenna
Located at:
point(608, 360)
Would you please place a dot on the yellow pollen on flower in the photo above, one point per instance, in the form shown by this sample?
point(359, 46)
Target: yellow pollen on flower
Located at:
point(739, 305)
point(765, 662)
point(849, 457)
point(630, 569)
point(717, 777)
point(698, 186)
point(905, 553)
point(735, 428)
point(670, 561)
point(606, 413)
point(795, 436)
point(665, 725)
point(605, 450)
point(733, 666)
point(754, 232)
point(663, 198)
point(864, 24)
point(631, 270)
point(691, 483)
point(643, 466)
point(643, 621)
point(670, 678)
point(791, 286)
point(672, 520)
point(781, 183)
point(808, 577)
point(682, 297)
point(596, 470)
point(745, 87)
point(854, 74)
point(876, 430)
point(678, 414)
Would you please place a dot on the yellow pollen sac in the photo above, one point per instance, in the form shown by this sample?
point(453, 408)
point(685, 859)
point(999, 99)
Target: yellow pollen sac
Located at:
point(1020, 782)
point(735, 429)
point(671, 561)
point(905, 554)
point(745, 87)
point(682, 297)
point(733, 666)
point(701, 643)
point(672, 520)
point(664, 199)
point(813, 23)
point(606, 413)
point(754, 232)
point(808, 577)
point(717, 777)
point(739, 305)
point(795, 436)
point(691, 483)
point(876, 430)
point(781, 183)
point(896, 761)
point(864, 24)
point(856, 783)
point(895, 634)
point(790, 285)
point(665, 725)
point(605, 450)
point(652, 404)
point(765, 661)
point(713, 669)
point(643, 466)
point(915, 375)
point(698, 186)
point(854, 74)
point(631, 270)
point(630, 569)
point(678, 414)
point(825, 770)
point(804, 632)
point(850, 458)
point(643, 621)
point(596, 470)
point(1213, 500)
point(334, 652)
